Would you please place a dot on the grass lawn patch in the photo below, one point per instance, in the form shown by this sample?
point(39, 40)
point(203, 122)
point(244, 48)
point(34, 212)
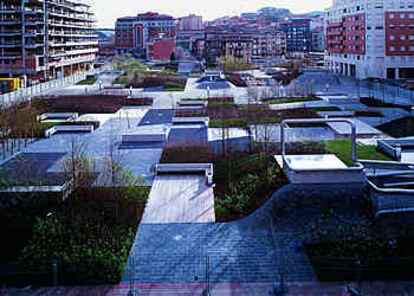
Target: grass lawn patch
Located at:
point(343, 150)
point(89, 81)
point(228, 123)
point(218, 104)
point(192, 99)
point(291, 100)
point(139, 78)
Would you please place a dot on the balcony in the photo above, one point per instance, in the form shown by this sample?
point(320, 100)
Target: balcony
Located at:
point(10, 33)
point(10, 22)
point(33, 45)
point(73, 52)
point(10, 44)
point(73, 61)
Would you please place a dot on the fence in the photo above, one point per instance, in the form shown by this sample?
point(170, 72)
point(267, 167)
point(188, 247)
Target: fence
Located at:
point(25, 94)
point(391, 93)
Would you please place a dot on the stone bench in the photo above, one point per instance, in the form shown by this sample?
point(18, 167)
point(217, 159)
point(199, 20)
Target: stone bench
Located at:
point(191, 120)
point(54, 116)
point(186, 168)
point(69, 128)
point(144, 138)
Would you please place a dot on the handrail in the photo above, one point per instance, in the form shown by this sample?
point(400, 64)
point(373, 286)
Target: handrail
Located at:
point(285, 123)
point(26, 94)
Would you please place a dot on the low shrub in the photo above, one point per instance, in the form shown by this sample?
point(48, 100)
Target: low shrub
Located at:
point(89, 236)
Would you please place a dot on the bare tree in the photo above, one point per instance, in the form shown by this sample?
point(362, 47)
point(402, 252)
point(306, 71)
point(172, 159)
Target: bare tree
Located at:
point(113, 172)
point(78, 167)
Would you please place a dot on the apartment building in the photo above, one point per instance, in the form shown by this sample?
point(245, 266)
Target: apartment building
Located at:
point(42, 40)
point(318, 39)
point(371, 38)
point(191, 23)
point(298, 34)
point(249, 45)
point(138, 34)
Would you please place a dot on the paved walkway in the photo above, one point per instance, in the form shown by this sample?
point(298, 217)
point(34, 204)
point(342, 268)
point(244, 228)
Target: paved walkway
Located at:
point(180, 199)
point(295, 289)
point(252, 250)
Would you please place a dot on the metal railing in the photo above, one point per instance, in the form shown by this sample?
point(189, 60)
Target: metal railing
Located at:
point(391, 93)
point(26, 94)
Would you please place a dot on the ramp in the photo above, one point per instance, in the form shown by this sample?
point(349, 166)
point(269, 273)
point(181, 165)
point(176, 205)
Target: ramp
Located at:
point(180, 198)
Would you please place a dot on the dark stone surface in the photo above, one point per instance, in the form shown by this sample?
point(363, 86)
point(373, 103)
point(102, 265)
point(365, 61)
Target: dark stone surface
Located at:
point(157, 116)
point(181, 135)
point(252, 250)
point(31, 169)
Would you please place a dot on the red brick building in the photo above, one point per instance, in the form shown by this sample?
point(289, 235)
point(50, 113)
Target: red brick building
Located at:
point(138, 34)
point(162, 50)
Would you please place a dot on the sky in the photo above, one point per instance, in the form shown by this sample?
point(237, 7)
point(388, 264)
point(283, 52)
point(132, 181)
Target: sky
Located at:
point(107, 11)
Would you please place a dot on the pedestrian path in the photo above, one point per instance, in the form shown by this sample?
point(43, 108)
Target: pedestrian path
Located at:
point(252, 250)
point(180, 199)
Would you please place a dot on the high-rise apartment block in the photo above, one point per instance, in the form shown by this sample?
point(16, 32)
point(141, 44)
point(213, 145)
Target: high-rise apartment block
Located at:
point(42, 40)
point(371, 38)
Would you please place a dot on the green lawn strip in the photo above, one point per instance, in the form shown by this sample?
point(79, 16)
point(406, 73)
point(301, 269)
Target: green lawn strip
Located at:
point(343, 150)
point(292, 100)
point(192, 99)
point(218, 104)
point(228, 123)
point(87, 81)
point(241, 122)
point(173, 89)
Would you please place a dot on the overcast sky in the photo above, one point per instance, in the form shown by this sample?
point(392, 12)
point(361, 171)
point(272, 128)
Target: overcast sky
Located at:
point(108, 10)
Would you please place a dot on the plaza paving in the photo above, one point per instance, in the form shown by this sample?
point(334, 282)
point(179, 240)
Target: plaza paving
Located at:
point(179, 199)
point(252, 250)
point(96, 145)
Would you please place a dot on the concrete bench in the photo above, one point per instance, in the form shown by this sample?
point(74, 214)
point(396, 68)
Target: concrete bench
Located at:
point(191, 120)
point(69, 128)
point(144, 138)
point(319, 169)
point(193, 103)
point(52, 116)
point(65, 190)
point(186, 168)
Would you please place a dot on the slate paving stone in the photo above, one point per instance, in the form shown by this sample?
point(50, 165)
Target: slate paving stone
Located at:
point(251, 250)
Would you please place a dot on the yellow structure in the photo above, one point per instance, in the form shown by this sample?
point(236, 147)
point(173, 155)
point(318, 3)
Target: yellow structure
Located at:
point(14, 83)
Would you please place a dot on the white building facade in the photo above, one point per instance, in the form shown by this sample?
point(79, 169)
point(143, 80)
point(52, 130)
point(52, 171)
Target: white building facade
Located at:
point(370, 38)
